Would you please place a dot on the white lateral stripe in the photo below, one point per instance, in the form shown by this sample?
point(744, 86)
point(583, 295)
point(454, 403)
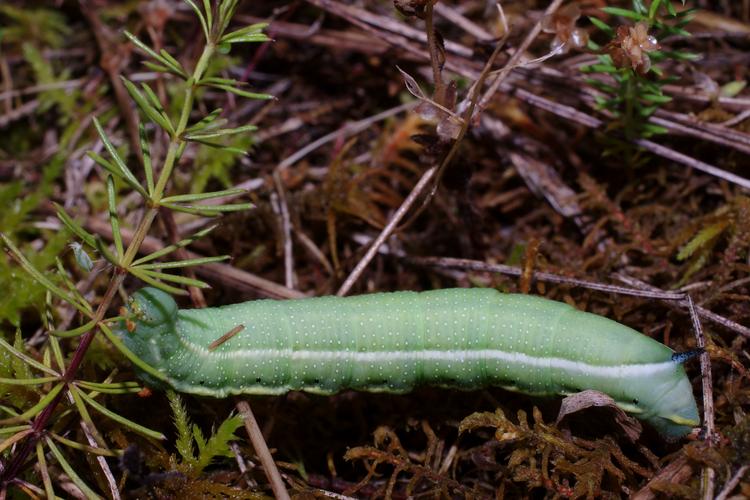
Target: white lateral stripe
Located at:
point(458, 356)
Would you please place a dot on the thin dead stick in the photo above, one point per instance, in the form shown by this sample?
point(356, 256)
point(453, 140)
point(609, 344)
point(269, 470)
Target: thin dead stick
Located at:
point(437, 70)
point(708, 476)
point(424, 181)
point(636, 288)
point(346, 131)
point(231, 333)
point(692, 162)
point(474, 265)
point(290, 279)
point(473, 98)
point(106, 471)
point(452, 15)
point(513, 61)
point(261, 449)
point(732, 483)
point(702, 312)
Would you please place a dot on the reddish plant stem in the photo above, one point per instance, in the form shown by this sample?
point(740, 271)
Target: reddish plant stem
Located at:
point(40, 422)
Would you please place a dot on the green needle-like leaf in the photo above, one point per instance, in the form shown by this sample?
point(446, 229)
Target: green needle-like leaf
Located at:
point(75, 332)
point(117, 342)
point(171, 248)
point(123, 169)
point(83, 447)
point(248, 34)
point(201, 17)
point(209, 210)
point(220, 132)
point(74, 227)
point(143, 103)
point(28, 381)
point(34, 410)
point(217, 145)
point(180, 198)
point(110, 387)
point(170, 62)
point(183, 263)
point(141, 274)
point(173, 63)
point(146, 151)
point(41, 278)
point(41, 461)
point(69, 470)
point(28, 360)
point(145, 431)
point(174, 278)
point(13, 429)
point(244, 93)
point(114, 220)
point(209, 13)
point(209, 121)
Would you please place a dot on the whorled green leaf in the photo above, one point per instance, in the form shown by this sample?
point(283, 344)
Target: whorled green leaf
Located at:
point(171, 248)
point(248, 34)
point(35, 409)
point(69, 470)
point(104, 452)
point(201, 17)
point(181, 198)
point(74, 226)
point(114, 220)
point(110, 387)
point(117, 342)
point(174, 278)
point(209, 210)
point(41, 278)
point(144, 431)
point(203, 135)
point(170, 62)
point(183, 263)
point(208, 122)
point(146, 152)
point(122, 169)
point(74, 332)
point(152, 113)
point(142, 275)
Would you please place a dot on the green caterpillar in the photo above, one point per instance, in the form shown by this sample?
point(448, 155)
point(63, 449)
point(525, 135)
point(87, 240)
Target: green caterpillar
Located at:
point(391, 342)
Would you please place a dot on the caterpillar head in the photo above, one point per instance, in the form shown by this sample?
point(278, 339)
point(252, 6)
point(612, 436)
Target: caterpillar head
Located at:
point(153, 307)
point(676, 412)
point(666, 401)
point(149, 328)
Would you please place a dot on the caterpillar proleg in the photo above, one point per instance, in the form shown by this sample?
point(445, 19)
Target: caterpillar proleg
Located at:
point(392, 342)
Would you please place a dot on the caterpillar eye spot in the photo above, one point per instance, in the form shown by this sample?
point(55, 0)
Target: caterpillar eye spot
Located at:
point(257, 380)
point(635, 401)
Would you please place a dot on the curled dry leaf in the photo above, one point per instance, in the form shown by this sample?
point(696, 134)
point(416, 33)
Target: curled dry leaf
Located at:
point(449, 123)
point(586, 399)
point(563, 24)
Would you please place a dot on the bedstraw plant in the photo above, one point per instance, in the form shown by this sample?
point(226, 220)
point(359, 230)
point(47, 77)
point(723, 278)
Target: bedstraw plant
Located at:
point(45, 396)
point(634, 90)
